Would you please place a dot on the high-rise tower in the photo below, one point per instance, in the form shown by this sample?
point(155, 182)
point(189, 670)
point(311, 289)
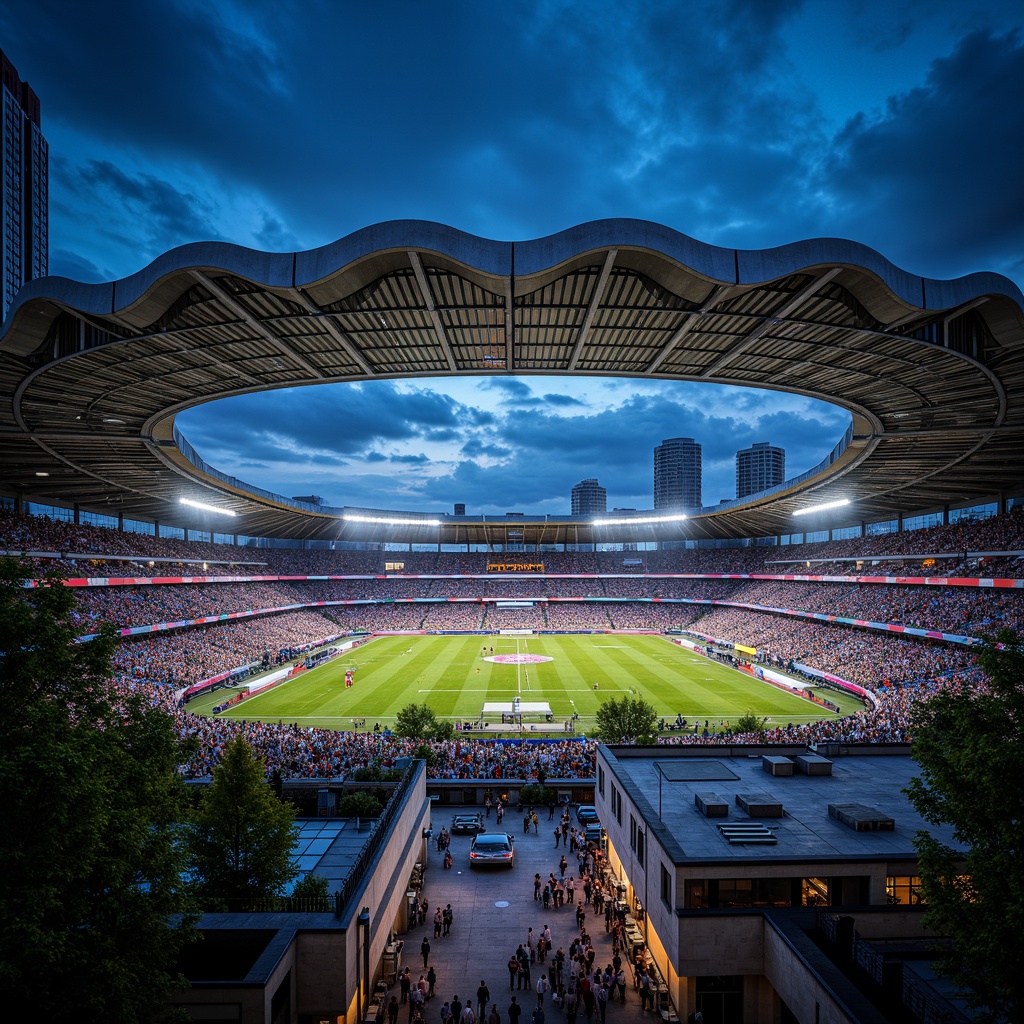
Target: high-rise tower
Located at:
point(758, 468)
point(23, 186)
point(677, 473)
point(588, 496)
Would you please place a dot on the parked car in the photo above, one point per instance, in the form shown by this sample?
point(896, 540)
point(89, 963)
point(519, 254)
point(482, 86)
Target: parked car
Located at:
point(593, 832)
point(467, 824)
point(586, 813)
point(491, 850)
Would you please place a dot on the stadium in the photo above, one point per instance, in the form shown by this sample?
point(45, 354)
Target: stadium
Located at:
point(330, 619)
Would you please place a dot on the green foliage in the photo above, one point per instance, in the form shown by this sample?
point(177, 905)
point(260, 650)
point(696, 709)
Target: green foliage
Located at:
point(627, 720)
point(444, 731)
point(424, 752)
point(241, 836)
point(376, 773)
point(416, 722)
point(749, 722)
point(970, 749)
point(311, 893)
point(359, 805)
point(92, 908)
point(533, 793)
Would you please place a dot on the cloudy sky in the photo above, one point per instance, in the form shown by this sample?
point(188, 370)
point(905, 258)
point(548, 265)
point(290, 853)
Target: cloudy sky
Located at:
point(745, 123)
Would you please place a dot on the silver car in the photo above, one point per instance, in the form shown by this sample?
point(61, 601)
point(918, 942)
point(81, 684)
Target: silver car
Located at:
point(492, 850)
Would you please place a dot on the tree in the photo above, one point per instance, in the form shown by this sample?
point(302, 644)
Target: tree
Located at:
point(93, 910)
point(241, 836)
point(627, 720)
point(970, 749)
point(416, 722)
point(750, 722)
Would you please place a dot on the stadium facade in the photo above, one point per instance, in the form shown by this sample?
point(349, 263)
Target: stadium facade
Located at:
point(932, 372)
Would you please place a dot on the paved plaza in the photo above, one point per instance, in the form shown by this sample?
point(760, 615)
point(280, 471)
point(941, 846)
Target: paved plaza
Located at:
point(493, 910)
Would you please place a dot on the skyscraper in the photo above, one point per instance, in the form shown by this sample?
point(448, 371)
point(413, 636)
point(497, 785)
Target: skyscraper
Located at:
point(677, 473)
point(589, 496)
point(758, 468)
point(23, 186)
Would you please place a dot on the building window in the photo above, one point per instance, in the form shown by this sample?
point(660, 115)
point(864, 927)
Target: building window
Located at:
point(636, 839)
point(666, 886)
point(600, 780)
point(905, 889)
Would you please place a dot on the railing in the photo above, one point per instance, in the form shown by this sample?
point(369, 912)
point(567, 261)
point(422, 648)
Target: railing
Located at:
point(374, 841)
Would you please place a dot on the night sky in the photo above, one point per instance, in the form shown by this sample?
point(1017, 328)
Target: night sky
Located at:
point(284, 126)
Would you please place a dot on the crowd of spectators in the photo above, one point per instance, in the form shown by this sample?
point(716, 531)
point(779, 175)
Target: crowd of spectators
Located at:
point(897, 669)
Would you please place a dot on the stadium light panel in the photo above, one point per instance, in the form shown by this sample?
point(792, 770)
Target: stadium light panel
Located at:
point(390, 521)
point(638, 520)
point(821, 508)
point(205, 507)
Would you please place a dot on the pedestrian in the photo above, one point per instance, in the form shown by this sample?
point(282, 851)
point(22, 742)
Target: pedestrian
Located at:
point(620, 984)
point(546, 897)
point(571, 1006)
point(535, 822)
point(456, 1008)
point(531, 945)
point(425, 951)
point(446, 1012)
point(538, 1015)
point(558, 835)
point(513, 972)
point(602, 1002)
point(494, 1017)
point(542, 987)
point(431, 982)
point(438, 920)
point(447, 916)
point(405, 984)
point(468, 1015)
point(393, 1010)
point(570, 889)
point(483, 997)
point(447, 859)
point(562, 865)
point(514, 1011)
point(536, 886)
point(415, 1001)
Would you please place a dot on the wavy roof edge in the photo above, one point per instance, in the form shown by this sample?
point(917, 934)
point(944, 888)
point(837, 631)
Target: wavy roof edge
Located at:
point(525, 258)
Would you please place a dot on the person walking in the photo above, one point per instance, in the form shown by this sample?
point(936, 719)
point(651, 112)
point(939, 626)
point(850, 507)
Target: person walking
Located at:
point(542, 988)
point(446, 1013)
point(562, 865)
point(494, 1017)
point(536, 886)
point(514, 1011)
point(438, 922)
point(393, 1010)
point(601, 995)
point(483, 997)
point(456, 1008)
point(431, 982)
point(513, 972)
point(405, 984)
point(425, 951)
point(447, 916)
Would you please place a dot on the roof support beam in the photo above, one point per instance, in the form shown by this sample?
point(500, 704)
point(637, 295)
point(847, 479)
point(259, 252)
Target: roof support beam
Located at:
point(428, 298)
point(592, 308)
point(331, 326)
point(257, 325)
point(716, 296)
point(759, 332)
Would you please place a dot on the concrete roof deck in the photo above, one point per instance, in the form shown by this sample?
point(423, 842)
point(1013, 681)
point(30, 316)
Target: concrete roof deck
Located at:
point(804, 832)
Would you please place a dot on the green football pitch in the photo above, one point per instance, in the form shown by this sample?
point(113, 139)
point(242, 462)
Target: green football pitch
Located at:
point(455, 677)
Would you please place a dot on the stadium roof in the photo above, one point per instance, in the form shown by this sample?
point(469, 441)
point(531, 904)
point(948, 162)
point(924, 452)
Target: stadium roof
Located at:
point(92, 376)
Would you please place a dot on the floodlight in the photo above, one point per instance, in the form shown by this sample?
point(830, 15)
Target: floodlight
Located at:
point(822, 507)
point(205, 507)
